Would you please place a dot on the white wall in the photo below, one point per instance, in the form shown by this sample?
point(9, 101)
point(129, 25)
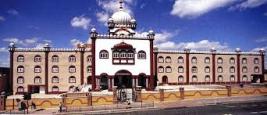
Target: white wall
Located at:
point(106, 66)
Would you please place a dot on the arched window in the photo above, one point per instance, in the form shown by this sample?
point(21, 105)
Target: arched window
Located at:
point(232, 60)
point(232, 78)
point(165, 80)
point(194, 78)
point(244, 60)
point(256, 69)
point(55, 79)
point(37, 69)
point(141, 55)
point(180, 79)
point(116, 54)
point(161, 69)
point(55, 58)
point(207, 60)
point(168, 69)
point(207, 69)
point(160, 59)
point(37, 79)
point(180, 59)
point(89, 59)
point(71, 88)
point(194, 69)
point(244, 78)
point(20, 80)
point(37, 58)
point(20, 58)
point(20, 89)
point(220, 69)
point(220, 78)
point(89, 69)
point(72, 79)
point(232, 69)
point(55, 69)
point(244, 69)
point(256, 60)
point(194, 60)
point(180, 69)
point(72, 69)
point(55, 89)
point(219, 60)
point(20, 69)
point(207, 78)
point(168, 59)
point(103, 54)
point(72, 58)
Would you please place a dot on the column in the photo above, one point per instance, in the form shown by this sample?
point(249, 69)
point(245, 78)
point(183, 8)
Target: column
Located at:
point(110, 84)
point(147, 82)
point(97, 84)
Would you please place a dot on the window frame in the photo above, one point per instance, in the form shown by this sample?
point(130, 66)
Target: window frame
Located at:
point(55, 58)
point(20, 80)
point(37, 58)
point(180, 58)
point(20, 58)
point(55, 67)
point(194, 60)
point(36, 68)
point(72, 69)
point(72, 79)
point(53, 79)
point(20, 69)
point(160, 58)
point(141, 54)
point(168, 68)
point(72, 58)
point(103, 54)
point(205, 60)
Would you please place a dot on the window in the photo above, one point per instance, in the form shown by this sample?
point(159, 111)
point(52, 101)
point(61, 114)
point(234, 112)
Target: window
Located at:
point(89, 59)
point(194, 69)
point(232, 69)
point(244, 69)
point(20, 69)
point(72, 69)
point(89, 69)
point(168, 69)
point(168, 59)
point(161, 69)
point(244, 60)
point(55, 79)
point(256, 60)
point(37, 58)
point(20, 80)
point(37, 69)
point(180, 79)
point(55, 89)
point(20, 58)
point(116, 54)
point(72, 79)
point(141, 55)
point(180, 59)
point(256, 69)
point(232, 60)
point(55, 69)
point(72, 58)
point(103, 54)
point(20, 89)
point(220, 78)
point(207, 60)
point(194, 78)
point(37, 80)
point(207, 69)
point(194, 60)
point(244, 78)
point(219, 60)
point(180, 69)
point(207, 78)
point(232, 78)
point(160, 59)
point(220, 70)
point(165, 80)
point(55, 58)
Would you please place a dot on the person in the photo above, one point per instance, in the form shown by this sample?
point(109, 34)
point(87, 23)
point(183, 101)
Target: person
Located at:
point(33, 105)
point(60, 107)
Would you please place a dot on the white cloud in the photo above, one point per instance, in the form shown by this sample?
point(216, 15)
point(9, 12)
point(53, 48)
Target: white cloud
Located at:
point(2, 18)
point(195, 8)
point(13, 12)
point(29, 42)
point(249, 4)
point(264, 39)
point(3, 49)
point(111, 6)
point(74, 42)
point(80, 22)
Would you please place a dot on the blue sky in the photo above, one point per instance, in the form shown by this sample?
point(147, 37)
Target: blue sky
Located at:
point(196, 24)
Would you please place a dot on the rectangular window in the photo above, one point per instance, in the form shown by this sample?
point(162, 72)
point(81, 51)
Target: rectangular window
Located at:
point(180, 70)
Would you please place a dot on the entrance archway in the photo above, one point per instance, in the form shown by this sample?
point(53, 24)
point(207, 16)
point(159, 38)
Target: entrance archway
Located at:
point(104, 81)
point(123, 79)
point(142, 80)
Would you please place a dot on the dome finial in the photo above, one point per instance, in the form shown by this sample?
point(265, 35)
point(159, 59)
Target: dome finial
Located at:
point(121, 2)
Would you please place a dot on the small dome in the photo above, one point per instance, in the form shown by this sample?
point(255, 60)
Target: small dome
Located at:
point(121, 17)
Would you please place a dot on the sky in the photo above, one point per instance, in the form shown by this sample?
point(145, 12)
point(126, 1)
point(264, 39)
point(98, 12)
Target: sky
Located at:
point(196, 24)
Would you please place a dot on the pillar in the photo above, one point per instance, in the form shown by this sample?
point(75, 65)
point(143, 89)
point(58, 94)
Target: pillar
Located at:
point(110, 84)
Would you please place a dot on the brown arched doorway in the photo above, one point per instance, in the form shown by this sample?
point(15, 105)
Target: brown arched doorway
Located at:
point(142, 80)
point(123, 79)
point(104, 81)
point(165, 80)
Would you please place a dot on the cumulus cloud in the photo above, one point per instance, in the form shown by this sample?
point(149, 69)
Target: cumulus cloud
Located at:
point(195, 8)
point(80, 22)
point(28, 42)
point(111, 6)
point(13, 12)
point(74, 42)
point(249, 4)
point(2, 18)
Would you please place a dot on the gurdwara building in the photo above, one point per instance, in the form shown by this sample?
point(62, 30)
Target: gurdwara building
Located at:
point(121, 58)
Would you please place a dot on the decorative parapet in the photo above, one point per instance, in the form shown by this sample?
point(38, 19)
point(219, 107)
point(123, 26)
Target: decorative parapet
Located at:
point(208, 52)
point(106, 36)
point(51, 49)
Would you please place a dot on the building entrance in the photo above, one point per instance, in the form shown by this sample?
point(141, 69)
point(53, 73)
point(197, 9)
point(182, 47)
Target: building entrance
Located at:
point(123, 79)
